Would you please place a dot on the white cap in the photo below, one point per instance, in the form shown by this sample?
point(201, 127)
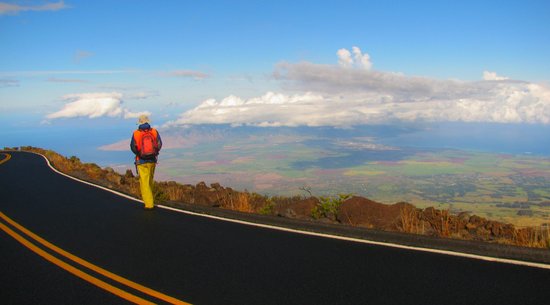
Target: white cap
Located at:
point(143, 119)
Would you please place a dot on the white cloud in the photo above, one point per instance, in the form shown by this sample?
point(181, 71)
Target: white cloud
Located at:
point(492, 76)
point(94, 105)
point(344, 58)
point(359, 60)
point(271, 109)
point(515, 103)
point(363, 60)
point(10, 9)
point(408, 98)
point(344, 96)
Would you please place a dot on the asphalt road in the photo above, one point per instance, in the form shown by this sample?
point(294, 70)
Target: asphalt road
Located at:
point(206, 261)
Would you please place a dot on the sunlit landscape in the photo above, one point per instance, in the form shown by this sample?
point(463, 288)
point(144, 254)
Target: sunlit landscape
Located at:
point(433, 104)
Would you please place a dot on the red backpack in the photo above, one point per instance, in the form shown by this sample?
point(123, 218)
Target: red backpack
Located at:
point(149, 147)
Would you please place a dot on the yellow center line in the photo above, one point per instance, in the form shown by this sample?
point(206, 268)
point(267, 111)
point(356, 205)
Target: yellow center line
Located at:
point(91, 266)
point(6, 159)
point(99, 283)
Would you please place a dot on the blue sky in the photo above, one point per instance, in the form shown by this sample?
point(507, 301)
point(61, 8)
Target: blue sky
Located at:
point(447, 39)
point(194, 62)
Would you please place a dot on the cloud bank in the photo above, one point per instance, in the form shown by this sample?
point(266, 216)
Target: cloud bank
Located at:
point(12, 9)
point(271, 109)
point(94, 105)
point(351, 93)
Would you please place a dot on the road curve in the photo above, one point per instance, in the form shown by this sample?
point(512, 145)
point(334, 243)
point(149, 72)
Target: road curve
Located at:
point(206, 261)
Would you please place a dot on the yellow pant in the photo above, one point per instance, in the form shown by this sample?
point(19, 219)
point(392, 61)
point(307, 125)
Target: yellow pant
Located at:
point(146, 173)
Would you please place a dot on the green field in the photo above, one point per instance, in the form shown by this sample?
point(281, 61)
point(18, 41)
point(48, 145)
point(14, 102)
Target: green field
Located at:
point(495, 186)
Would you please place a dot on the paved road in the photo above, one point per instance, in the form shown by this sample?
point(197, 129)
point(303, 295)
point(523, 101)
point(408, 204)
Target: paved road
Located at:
point(205, 261)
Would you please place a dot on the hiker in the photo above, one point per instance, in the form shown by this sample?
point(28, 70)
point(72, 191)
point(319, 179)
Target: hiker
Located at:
point(146, 144)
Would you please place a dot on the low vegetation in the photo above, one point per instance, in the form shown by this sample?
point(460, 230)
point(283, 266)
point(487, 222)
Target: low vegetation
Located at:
point(328, 207)
point(345, 208)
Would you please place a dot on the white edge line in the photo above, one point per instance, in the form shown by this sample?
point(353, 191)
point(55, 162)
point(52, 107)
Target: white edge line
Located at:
point(86, 182)
point(364, 241)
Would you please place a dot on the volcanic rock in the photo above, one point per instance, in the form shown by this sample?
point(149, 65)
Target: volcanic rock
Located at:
point(300, 209)
point(359, 211)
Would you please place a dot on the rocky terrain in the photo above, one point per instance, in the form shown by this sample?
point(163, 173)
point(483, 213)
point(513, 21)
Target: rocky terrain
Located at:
point(344, 209)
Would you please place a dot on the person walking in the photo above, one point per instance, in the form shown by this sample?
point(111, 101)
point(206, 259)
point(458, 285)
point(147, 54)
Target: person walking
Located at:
point(146, 144)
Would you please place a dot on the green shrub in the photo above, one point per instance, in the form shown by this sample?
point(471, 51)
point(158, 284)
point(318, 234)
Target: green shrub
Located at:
point(328, 206)
point(158, 194)
point(74, 159)
point(268, 208)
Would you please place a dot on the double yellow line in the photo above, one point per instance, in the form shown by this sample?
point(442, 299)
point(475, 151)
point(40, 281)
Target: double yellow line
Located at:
point(6, 159)
point(81, 274)
point(6, 222)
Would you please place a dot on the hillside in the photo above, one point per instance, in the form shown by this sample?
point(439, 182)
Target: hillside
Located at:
point(343, 209)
